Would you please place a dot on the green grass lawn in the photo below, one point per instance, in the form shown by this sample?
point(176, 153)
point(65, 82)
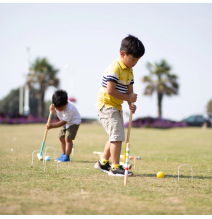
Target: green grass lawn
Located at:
point(79, 189)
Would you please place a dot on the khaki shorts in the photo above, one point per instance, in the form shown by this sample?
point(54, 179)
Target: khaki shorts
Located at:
point(70, 132)
point(113, 123)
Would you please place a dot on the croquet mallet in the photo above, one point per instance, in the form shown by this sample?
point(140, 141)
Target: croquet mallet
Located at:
point(39, 155)
point(127, 149)
point(127, 164)
point(128, 134)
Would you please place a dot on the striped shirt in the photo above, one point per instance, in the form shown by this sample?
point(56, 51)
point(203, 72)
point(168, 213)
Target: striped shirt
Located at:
point(122, 76)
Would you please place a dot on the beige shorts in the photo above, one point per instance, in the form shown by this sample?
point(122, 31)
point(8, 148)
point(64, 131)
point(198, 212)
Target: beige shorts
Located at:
point(70, 132)
point(113, 123)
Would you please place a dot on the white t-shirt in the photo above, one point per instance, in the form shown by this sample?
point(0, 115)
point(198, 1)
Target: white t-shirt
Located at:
point(70, 115)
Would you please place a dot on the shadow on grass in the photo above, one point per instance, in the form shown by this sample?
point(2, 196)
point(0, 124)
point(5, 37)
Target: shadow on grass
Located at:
point(84, 161)
point(171, 176)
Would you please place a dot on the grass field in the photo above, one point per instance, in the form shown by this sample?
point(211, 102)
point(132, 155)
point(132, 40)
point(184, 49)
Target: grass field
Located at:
point(79, 189)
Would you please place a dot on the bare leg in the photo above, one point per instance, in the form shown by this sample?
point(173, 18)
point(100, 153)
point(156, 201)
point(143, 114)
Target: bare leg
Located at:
point(106, 153)
point(69, 145)
point(63, 144)
point(115, 151)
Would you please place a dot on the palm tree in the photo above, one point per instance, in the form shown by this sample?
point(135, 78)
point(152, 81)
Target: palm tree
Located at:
point(161, 81)
point(42, 75)
point(209, 106)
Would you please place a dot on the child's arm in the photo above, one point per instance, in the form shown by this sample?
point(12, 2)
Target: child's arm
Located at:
point(52, 108)
point(111, 89)
point(130, 90)
point(55, 125)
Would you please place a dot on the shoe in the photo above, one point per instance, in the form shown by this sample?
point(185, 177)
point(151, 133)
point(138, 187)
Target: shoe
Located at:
point(64, 158)
point(105, 168)
point(60, 157)
point(118, 172)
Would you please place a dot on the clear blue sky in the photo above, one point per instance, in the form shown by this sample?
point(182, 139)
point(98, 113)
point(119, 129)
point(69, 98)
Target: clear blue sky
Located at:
point(88, 36)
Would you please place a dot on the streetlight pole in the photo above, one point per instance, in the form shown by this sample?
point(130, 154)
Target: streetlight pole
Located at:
point(26, 92)
point(21, 94)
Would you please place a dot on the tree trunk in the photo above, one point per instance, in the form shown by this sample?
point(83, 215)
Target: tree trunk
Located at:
point(160, 97)
point(41, 104)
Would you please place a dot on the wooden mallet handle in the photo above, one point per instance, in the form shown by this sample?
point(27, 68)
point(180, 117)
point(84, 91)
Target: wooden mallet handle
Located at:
point(128, 133)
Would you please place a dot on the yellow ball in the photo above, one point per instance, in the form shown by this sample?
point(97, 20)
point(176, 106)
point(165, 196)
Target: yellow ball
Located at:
point(160, 174)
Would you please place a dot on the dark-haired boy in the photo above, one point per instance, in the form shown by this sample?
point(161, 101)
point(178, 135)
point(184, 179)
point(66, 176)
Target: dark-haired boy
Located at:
point(70, 120)
point(117, 86)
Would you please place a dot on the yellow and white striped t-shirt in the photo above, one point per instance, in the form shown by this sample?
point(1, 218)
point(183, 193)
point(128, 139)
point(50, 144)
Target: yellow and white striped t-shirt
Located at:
point(122, 76)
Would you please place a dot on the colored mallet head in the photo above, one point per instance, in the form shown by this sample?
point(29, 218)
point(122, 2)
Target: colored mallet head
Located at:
point(39, 156)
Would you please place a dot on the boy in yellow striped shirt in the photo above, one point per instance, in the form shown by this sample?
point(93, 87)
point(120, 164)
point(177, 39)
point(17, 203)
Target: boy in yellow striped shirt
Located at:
point(116, 87)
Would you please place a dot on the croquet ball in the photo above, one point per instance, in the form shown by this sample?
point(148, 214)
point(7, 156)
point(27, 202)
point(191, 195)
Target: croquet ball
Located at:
point(160, 174)
point(47, 158)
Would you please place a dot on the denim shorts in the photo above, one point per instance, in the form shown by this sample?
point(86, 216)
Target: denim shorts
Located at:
point(113, 123)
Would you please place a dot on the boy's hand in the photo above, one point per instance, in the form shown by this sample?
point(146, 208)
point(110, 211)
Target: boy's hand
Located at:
point(50, 126)
point(55, 125)
point(132, 97)
point(51, 108)
point(133, 108)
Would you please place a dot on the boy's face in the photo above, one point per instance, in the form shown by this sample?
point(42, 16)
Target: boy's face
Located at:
point(128, 60)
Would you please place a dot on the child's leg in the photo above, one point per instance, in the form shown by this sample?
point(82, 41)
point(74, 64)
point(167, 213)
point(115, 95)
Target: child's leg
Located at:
point(103, 163)
point(71, 133)
point(115, 151)
point(112, 121)
point(69, 145)
point(63, 144)
point(61, 136)
point(106, 153)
